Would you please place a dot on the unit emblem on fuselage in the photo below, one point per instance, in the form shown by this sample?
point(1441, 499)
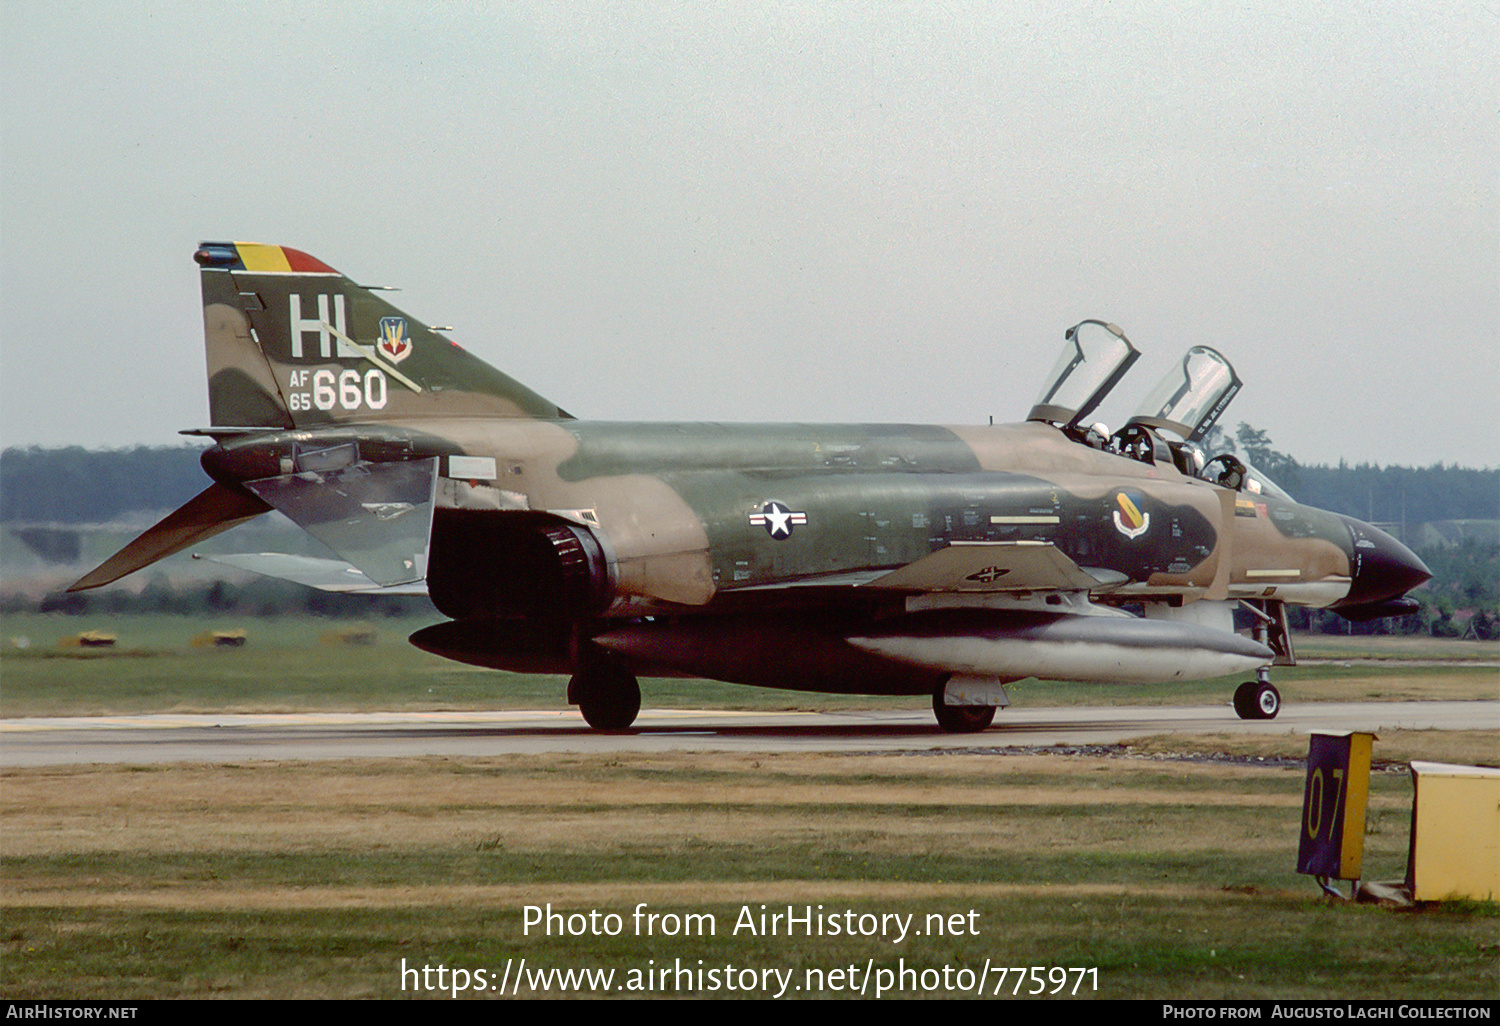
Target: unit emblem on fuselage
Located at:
point(1130, 519)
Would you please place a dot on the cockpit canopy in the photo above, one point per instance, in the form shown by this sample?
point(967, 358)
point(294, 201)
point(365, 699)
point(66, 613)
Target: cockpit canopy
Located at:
point(1189, 399)
point(1094, 359)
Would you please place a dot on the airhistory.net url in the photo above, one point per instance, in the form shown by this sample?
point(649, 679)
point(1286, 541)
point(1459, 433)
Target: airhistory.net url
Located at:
point(697, 977)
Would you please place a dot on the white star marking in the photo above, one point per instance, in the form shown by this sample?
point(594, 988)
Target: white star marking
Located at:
point(777, 519)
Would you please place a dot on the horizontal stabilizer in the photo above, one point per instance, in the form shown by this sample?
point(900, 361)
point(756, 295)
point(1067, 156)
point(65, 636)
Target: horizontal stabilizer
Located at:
point(313, 572)
point(212, 511)
point(997, 566)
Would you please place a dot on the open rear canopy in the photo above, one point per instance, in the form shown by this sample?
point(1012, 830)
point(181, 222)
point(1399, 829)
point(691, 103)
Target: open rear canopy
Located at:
point(1095, 357)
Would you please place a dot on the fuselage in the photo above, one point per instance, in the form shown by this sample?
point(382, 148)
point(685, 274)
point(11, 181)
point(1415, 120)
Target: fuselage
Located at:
point(689, 514)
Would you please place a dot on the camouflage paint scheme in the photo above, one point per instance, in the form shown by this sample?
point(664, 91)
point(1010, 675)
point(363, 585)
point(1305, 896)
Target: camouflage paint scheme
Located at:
point(821, 557)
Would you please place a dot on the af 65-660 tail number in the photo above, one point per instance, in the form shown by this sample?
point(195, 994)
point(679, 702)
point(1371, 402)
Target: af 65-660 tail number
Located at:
point(326, 389)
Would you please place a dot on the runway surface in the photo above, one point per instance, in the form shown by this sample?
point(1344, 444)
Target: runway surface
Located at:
point(220, 738)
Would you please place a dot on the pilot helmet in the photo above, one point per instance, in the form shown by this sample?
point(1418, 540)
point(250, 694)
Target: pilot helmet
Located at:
point(1195, 457)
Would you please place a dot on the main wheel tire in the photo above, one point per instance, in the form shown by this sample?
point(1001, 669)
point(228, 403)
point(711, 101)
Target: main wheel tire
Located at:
point(961, 719)
point(608, 697)
point(1254, 700)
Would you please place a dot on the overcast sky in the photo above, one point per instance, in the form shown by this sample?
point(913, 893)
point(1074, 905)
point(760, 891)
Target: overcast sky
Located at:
point(800, 211)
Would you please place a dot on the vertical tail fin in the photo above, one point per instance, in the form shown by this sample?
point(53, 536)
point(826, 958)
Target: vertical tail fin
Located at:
point(293, 343)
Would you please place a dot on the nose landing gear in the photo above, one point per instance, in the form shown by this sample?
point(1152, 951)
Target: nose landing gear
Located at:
point(1257, 699)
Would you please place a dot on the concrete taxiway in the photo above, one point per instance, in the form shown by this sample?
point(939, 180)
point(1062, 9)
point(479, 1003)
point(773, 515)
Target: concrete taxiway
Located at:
point(219, 738)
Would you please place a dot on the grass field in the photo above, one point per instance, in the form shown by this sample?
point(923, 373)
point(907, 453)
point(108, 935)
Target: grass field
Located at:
point(1170, 877)
point(316, 880)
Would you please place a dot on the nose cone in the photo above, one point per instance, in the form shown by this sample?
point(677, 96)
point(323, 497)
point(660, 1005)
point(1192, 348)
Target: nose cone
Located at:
point(1381, 567)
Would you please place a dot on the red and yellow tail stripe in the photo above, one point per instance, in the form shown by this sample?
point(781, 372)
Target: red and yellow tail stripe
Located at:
point(279, 260)
point(255, 258)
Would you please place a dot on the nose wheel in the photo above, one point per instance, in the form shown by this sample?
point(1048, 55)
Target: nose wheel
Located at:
point(1257, 700)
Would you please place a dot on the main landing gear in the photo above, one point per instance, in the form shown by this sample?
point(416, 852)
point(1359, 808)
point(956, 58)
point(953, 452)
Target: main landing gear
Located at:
point(608, 695)
point(961, 719)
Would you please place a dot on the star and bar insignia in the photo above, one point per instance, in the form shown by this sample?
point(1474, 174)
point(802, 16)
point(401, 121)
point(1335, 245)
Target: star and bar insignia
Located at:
point(778, 519)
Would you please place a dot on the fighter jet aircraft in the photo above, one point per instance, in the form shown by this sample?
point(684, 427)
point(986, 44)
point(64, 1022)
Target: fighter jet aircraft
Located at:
point(859, 558)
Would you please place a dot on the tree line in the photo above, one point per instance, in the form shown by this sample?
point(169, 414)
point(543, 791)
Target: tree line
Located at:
point(74, 485)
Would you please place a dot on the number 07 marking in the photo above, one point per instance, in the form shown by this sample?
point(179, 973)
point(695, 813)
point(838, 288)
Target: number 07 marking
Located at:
point(1315, 789)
